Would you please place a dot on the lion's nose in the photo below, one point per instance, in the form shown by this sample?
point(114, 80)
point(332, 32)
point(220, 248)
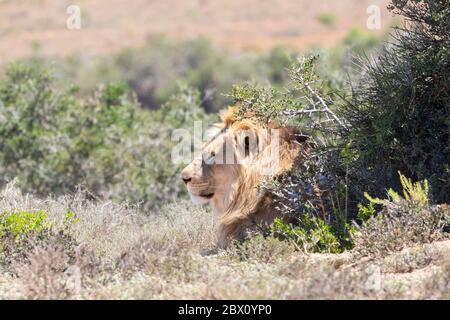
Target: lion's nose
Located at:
point(185, 176)
point(186, 180)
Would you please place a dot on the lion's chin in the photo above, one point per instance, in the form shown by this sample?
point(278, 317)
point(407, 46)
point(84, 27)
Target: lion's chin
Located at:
point(196, 199)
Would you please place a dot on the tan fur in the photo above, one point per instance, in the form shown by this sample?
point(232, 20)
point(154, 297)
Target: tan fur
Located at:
point(237, 201)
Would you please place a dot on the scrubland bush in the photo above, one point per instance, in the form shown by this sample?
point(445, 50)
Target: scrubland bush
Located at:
point(399, 111)
point(402, 222)
point(310, 192)
point(24, 232)
point(52, 141)
point(395, 120)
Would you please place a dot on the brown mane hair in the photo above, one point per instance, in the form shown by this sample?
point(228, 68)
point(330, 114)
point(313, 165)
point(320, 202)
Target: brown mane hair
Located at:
point(251, 206)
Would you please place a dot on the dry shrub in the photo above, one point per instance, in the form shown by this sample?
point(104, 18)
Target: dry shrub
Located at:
point(404, 221)
point(331, 276)
point(401, 225)
point(324, 281)
point(163, 258)
point(417, 257)
point(260, 249)
point(51, 273)
point(174, 237)
point(44, 276)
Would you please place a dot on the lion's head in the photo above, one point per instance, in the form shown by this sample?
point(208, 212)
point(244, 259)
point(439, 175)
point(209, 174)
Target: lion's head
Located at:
point(238, 154)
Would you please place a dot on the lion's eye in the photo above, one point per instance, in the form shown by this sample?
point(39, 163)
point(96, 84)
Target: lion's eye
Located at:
point(212, 156)
point(209, 158)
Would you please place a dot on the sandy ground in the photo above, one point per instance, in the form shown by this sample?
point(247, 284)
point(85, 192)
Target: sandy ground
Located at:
point(109, 25)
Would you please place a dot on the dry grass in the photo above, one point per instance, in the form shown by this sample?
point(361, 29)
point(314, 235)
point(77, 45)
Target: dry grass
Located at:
point(123, 253)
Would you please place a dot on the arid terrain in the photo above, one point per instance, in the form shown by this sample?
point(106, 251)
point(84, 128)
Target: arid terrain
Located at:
point(159, 257)
point(243, 25)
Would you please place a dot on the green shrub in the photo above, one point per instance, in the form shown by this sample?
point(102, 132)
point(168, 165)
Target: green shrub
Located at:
point(162, 64)
point(360, 40)
point(21, 223)
point(366, 212)
point(48, 139)
point(399, 112)
point(53, 141)
point(327, 19)
point(147, 174)
point(311, 193)
point(311, 235)
point(21, 231)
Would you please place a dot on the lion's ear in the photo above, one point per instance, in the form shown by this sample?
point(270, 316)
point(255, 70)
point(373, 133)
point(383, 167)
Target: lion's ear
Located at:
point(246, 143)
point(247, 146)
point(251, 143)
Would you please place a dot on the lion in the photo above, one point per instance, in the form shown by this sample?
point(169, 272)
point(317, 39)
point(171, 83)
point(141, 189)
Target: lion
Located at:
point(239, 154)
